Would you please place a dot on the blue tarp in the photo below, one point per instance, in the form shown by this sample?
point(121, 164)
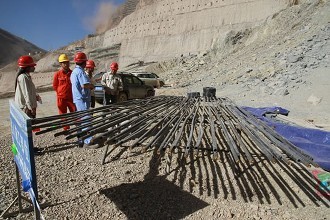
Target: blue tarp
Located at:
point(314, 142)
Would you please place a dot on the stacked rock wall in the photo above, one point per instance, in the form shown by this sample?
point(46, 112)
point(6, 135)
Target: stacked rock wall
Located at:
point(170, 28)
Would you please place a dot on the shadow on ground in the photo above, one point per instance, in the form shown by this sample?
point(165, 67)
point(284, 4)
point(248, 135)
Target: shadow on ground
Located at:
point(155, 198)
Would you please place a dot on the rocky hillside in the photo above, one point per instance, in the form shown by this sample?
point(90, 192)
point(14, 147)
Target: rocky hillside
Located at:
point(12, 47)
point(165, 29)
point(292, 42)
point(285, 61)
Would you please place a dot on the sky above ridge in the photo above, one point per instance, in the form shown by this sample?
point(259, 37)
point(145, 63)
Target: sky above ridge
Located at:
point(53, 24)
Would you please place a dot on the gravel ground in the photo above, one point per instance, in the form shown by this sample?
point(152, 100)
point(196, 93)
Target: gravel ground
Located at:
point(134, 185)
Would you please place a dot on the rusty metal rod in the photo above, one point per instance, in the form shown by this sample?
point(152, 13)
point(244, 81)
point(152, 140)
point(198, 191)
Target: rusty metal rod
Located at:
point(180, 132)
point(152, 120)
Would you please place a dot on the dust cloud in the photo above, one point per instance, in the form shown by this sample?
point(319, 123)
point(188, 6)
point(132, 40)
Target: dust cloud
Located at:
point(102, 20)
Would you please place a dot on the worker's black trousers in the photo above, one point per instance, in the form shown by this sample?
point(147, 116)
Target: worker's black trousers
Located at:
point(109, 99)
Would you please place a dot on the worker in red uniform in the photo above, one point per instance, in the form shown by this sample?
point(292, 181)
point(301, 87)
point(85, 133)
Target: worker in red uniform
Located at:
point(62, 86)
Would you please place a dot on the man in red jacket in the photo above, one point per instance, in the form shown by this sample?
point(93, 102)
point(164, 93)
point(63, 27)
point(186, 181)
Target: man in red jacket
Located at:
point(62, 86)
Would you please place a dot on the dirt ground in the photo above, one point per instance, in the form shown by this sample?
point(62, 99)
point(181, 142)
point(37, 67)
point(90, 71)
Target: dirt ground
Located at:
point(73, 184)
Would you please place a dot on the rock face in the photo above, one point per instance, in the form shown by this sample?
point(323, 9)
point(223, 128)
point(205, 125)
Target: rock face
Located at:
point(171, 28)
point(283, 62)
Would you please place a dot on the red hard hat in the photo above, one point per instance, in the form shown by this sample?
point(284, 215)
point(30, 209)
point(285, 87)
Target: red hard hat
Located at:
point(80, 57)
point(90, 64)
point(25, 61)
point(114, 66)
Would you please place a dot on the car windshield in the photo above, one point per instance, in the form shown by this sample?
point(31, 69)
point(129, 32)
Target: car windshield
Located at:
point(155, 75)
point(129, 79)
point(145, 75)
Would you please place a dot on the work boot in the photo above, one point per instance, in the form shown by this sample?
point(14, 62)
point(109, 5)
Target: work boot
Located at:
point(80, 143)
point(95, 143)
point(101, 141)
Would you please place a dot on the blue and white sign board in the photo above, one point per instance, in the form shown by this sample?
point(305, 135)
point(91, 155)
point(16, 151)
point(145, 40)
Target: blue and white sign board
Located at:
point(21, 130)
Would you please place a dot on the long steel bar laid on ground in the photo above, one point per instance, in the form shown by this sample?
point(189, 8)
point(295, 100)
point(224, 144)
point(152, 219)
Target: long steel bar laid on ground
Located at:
point(188, 124)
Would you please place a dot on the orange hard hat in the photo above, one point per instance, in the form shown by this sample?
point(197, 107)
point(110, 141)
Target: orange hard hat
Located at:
point(80, 57)
point(25, 61)
point(114, 66)
point(90, 64)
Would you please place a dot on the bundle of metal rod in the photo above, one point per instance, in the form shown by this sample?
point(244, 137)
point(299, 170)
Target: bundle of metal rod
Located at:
point(289, 149)
point(171, 122)
point(242, 133)
point(274, 142)
point(98, 116)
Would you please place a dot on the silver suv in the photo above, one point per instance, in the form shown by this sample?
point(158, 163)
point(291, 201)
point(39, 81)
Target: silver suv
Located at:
point(150, 79)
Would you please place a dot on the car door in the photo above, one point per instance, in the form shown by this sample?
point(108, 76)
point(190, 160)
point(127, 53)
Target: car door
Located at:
point(145, 79)
point(135, 87)
point(153, 81)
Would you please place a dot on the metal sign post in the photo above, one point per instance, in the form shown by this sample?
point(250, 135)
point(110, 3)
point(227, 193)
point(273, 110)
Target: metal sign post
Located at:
point(22, 149)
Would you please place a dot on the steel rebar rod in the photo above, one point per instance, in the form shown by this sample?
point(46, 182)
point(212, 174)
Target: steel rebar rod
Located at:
point(233, 130)
point(254, 138)
point(159, 133)
point(91, 131)
point(180, 132)
point(160, 120)
point(212, 131)
point(174, 128)
point(142, 128)
point(192, 127)
point(232, 144)
point(289, 149)
point(200, 130)
point(136, 123)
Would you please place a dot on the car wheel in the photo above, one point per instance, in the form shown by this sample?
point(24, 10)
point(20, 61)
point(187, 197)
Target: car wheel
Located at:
point(150, 93)
point(122, 97)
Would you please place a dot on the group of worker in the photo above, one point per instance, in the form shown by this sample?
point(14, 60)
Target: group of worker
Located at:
point(74, 89)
